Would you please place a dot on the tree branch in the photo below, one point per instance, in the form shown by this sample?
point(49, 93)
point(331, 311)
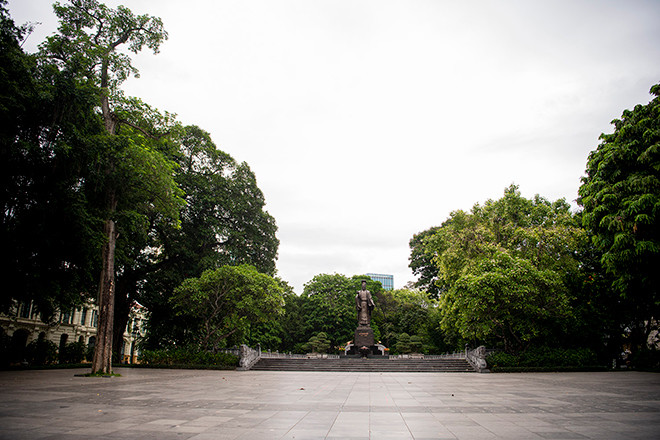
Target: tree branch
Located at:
point(140, 129)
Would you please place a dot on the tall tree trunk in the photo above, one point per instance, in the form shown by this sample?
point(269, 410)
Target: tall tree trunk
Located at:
point(122, 311)
point(102, 362)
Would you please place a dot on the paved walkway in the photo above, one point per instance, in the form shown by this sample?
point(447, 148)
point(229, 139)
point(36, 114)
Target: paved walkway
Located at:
point(203, 405)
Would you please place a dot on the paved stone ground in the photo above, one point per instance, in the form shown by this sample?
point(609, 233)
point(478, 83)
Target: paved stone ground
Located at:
point(202, 405)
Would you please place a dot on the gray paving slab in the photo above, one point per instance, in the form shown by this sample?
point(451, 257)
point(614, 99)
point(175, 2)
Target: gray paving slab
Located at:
point(203, 405)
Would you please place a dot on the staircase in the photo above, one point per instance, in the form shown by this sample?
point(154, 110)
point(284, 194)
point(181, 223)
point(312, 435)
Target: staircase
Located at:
point(365, 365)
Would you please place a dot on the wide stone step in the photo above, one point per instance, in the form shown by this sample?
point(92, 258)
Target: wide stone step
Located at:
point(364, 365)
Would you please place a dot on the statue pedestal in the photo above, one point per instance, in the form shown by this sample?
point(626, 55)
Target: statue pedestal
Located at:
point(363, 343)
point(364, 337)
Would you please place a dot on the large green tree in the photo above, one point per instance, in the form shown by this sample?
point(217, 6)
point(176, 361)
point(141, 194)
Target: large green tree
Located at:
point(82, 160)
point(329, 307)
point(405, 311)
point(620, 195)
point(503, 269)
point(48, 232)
point(129, 172)
point(223, 223)
point(507, 298)
point(222, 304)
point(421, 263)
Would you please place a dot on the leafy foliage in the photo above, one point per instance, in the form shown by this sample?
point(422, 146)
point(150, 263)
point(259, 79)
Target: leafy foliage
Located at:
point(328, 305)
point(90, 33)
point(621, 199)
point(544, 357)
point(318, 343)
point(503, 268)
point(407, 311)
point(49, 237)
point(93, 179)
point(506, 297)
point(72, 353)
point(129, 174)
point(41, 352)
point(222, 303)
point(421, 263)
point(222, 223)
point(187, 356)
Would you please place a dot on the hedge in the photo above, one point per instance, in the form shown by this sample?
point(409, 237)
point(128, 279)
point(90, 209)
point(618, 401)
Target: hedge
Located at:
point(187, 357)
point(545, 359)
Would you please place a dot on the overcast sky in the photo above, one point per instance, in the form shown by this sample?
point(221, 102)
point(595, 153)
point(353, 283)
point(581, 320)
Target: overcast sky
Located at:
point(366, 122)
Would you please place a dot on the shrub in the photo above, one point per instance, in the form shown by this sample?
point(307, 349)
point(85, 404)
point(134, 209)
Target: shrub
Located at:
point(544, 357)
point(5, 343)
point(501, 359)
point(403, 343)
point(187, 356)
point(416, 344)
point(646, 359)
point(72, 353)
point(89, 353)
point(41, 352)
point(319, 343)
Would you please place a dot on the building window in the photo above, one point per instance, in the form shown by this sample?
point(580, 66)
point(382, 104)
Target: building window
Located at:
point(24, 309)
point(95, 318)
point(67, 317)
point(83, 316)
point(386, 280)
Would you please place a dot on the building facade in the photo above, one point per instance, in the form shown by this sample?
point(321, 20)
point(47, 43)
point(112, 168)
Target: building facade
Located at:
point(386, 280)
point(23, 325)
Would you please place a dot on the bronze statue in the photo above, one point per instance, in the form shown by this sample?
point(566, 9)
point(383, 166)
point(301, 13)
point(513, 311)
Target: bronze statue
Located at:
point(364, 304)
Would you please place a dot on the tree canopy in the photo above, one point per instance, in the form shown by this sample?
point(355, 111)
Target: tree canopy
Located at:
point(620, 195)
point(502, 269)
point(49, 235)
point(95, 181)
point(225, 302)
point(329, 306)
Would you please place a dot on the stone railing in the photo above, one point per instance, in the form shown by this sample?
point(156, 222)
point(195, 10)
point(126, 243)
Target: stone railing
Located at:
point(477, 358)
point(277, 355)
point(456, 355)
point(321, 356)
point(248, 357)
point(406, 356)
point(234, 351)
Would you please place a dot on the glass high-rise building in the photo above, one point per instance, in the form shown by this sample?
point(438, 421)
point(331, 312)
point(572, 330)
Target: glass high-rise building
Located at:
point(386, 280)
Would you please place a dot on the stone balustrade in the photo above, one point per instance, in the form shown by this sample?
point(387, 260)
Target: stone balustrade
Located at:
point(477, 358)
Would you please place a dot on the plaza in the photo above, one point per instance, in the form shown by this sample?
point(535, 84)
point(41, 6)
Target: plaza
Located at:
point(203, 405)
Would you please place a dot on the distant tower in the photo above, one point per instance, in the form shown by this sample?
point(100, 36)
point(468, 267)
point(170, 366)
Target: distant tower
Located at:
point(386, 280)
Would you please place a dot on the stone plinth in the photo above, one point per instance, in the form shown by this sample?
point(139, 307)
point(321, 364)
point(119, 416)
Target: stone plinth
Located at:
point(364, 337)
